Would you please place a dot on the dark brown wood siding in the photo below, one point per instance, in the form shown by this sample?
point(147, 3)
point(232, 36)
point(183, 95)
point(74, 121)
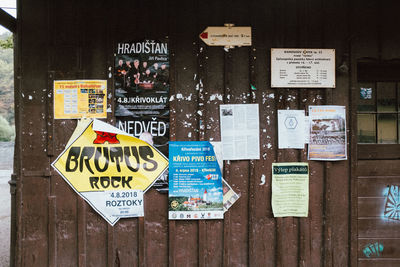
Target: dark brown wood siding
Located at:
point(76, 39)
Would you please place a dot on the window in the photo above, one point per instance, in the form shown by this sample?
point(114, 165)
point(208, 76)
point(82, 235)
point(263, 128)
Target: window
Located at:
point(378, 112)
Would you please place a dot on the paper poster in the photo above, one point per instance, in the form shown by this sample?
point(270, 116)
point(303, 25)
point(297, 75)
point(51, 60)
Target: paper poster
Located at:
point(303, 68)
point(291, 129)
point(290, 189)
point(195, 182)
point(327, 133)
point(141, 79)
point(75, 99)
point(307, 129)
point(230, 197)
point(240, 131)
point(110, 169)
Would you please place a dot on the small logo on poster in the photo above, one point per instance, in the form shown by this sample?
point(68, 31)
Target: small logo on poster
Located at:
point(291, 123)
point(212, 177)
point(174, 204)
point(103, 137)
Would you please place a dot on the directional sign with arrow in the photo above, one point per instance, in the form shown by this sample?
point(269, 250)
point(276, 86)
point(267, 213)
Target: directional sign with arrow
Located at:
point(228, 36)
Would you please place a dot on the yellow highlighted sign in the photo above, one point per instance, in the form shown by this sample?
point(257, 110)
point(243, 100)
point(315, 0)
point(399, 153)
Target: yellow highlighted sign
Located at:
point(102, 161)
point(75, 99)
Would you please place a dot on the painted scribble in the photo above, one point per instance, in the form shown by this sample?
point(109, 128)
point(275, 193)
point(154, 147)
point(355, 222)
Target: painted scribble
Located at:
point(392, 206)
point(373, 250)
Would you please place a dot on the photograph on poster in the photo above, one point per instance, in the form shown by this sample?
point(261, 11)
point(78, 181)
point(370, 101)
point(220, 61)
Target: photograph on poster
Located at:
point(328, 139)
point(141, 81)
point(195, 182)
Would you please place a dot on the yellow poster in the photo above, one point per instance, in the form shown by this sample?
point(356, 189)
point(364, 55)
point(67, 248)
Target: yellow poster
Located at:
point(290, 189)
point(75, 99)
point(110, 169)
point(99, 160)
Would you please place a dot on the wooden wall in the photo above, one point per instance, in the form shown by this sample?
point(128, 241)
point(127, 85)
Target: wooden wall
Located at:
point(76, 39)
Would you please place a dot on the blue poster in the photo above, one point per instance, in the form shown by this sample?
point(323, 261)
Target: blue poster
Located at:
point(195, 182)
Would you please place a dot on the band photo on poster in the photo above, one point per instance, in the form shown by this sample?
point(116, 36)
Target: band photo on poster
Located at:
point(141, 80)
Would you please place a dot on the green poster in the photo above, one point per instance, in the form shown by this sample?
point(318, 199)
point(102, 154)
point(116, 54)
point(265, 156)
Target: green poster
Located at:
point(290, 189)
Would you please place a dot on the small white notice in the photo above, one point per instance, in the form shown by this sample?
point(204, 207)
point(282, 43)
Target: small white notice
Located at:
point(291, 129)
point(303, 68)
point(115, 204)
point(240, 134)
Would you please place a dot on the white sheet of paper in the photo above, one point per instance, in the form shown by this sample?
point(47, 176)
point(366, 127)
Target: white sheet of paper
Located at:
point(240, 135)
point(291, 129)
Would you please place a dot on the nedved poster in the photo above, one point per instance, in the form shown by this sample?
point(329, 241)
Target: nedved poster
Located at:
point(141, 80)
point(290, 189)
point(195, 182)
point(327, 133)
point(75, 99)
point(110, 169)
point(240, 135)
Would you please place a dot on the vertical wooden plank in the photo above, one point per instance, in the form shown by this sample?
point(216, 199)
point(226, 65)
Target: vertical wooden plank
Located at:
point(353, 148)
point(184, 234)
point(96, 239)
point(52, 208)
point(82, 240)
point(288, 228)
point(32, 189)
point(237, 84)
point(363, 30)
point(262, 224)
point(66, 218)
point(172, 25)
point(153, 229)
point(33, 230)
point(209, 79)
point(338, 173)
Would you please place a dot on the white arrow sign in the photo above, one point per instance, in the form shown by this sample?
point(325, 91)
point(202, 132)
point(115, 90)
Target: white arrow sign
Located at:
point(227, 36)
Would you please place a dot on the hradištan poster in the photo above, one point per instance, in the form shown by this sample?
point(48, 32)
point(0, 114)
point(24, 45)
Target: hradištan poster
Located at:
point(328, 140)
point(141, 80)
point(290, 189)
point(195, 184)
point(75, 99)
point(110, 169)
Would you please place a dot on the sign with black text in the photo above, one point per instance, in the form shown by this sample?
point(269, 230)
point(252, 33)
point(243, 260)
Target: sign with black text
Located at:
point(302, 68)
point(110, 169)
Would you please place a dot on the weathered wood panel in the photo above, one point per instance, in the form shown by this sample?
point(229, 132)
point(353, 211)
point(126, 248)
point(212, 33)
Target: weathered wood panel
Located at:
point(79, 42)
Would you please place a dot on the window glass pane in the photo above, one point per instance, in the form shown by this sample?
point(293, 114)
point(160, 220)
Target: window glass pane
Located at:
point(387, 128)
point(366, 128)
point(367, 97)
point(387, 100)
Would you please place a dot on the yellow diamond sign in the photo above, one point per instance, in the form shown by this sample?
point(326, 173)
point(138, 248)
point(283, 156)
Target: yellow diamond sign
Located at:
point(103, 161)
